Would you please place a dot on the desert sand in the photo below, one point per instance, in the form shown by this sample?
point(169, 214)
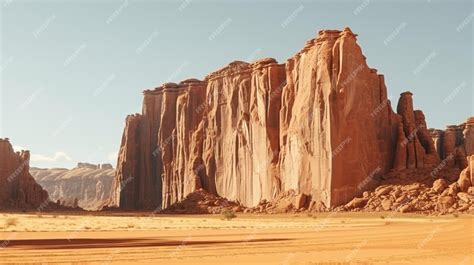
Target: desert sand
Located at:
point(326, 238)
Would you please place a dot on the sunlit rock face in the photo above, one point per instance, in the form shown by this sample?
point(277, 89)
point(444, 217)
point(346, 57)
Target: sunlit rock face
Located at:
point(455, 144)
point(18, 189)
point(89, 184)
point(337, 126)
point(320, 124)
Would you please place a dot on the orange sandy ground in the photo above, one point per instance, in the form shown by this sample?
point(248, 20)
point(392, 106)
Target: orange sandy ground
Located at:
point(345, 238)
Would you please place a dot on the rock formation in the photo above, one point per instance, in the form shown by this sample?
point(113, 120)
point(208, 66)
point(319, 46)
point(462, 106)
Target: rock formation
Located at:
point(89, 184)
point(18, 189)
point(455, 143)
point(319, 125)
point(427, 191)
point(94, 166)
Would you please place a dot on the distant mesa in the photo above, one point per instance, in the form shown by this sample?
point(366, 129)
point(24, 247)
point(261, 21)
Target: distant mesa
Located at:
point(94, 166)
point(89, 185)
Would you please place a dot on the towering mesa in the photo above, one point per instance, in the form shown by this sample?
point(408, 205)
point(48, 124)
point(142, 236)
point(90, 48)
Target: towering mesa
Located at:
point(320, 124)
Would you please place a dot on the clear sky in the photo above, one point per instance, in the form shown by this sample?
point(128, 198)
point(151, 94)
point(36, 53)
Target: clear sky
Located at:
point(72, 70)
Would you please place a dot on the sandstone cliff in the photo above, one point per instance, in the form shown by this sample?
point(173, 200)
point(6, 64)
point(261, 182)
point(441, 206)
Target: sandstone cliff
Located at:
point(320, 124)
point(90, 184)
point(455, 143)
point(18, 189)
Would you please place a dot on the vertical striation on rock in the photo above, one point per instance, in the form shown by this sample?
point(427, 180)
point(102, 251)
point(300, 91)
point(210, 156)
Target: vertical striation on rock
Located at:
point(337, 124)
point(321, 124)
point(455, 143)
point(468, 135)
point(420, 147)
point(127, 175)
point(241, 142)
point(18, 189)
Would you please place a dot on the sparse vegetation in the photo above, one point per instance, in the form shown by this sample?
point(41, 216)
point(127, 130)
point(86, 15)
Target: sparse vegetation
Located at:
point(382, 217)
point(229, 215)
point(130, 225)
point(11, 222)
point(456, 215)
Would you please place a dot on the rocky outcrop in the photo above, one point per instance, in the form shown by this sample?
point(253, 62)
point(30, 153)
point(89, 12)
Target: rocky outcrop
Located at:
point(415, 147)
point(18, 189)
point(421, 191)
point(468, 134)
point(202, 202)
point(319, 125)
point(89, 184)
point(455, 143)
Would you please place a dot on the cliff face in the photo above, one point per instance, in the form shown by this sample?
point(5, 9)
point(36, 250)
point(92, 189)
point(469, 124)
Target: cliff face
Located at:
point(90, 184)
point(18, 189)
point(320, 124)
point(455, 143)
point(337, 126)
point(241, 121)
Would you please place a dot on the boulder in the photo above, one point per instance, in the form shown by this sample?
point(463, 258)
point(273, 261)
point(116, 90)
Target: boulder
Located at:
point(444, 203)
point(464, 181)
point(470, 190)
point(406, 208)
point(382, 191)
point(439, 185)
point(465, 197)
point(387, 204)
point(453, 189)
point(356, 203)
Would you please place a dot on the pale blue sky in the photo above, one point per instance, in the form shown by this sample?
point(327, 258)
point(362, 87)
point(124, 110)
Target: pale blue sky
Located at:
point(72, 70)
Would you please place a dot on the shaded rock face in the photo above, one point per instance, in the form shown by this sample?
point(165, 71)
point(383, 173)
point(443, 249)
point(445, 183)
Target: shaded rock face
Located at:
point(415, 147)
point(320, 125)
point(90, 184)
point(18, 189)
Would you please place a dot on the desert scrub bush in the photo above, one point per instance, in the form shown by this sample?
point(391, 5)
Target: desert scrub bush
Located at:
point(228, 215)
point(11, 222)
